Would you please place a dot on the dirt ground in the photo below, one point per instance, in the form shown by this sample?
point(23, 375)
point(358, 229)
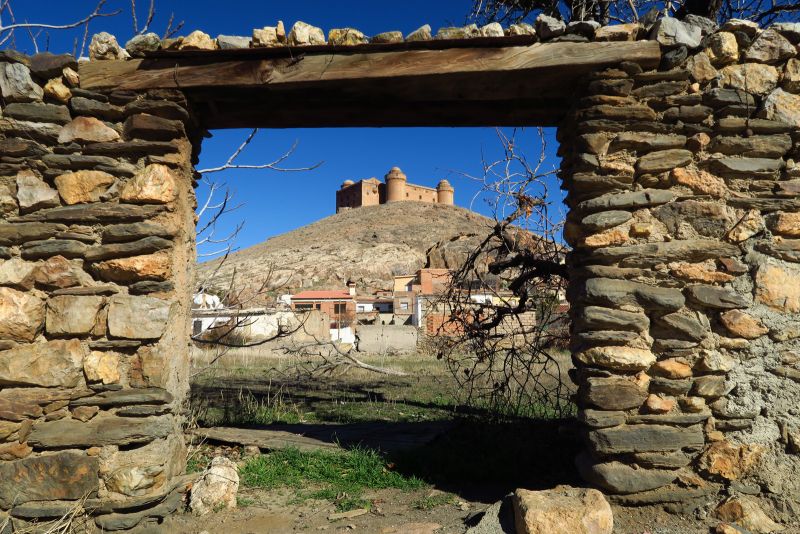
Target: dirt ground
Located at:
point(466, 469)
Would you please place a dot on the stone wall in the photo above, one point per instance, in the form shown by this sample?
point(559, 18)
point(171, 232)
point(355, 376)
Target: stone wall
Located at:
point(97, 248)
point(684, 217)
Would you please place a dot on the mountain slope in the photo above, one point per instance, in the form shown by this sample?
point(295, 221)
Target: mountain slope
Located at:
point(368, 245)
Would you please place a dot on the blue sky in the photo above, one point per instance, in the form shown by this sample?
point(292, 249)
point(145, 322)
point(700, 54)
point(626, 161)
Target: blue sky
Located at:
point(269, 206)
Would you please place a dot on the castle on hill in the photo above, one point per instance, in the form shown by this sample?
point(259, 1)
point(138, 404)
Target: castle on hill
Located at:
point(396, 188)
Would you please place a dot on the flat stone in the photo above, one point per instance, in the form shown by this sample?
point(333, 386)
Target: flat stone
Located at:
point(69, 476)
point(94, 108)
point(615, 393)
point(782, 106)
point(154, 185)
point(37, 250)
point(115, 344)
point(613, 293)
point(630, 200)
point(139, 45)
point(661, 89)
point(102, 430)
point(716, 297)
point(144, 126)
point(38, 112)
point(87, 130)
point(561, 509)
point(671, 32)
point(82, 187)
point(126, 397)
point(126, 521)
point(687, 325)
point(617, 358)
point(616, 477)
point(44, 510)
point(346, 37)
point(646, 438)
point(85, 413)
point(36, 131)
point(604, 220)
point(548, 27)
point(21, 148)
point(679, 419)
point(132, 149)
point(154, 267)
point(119, 233)
point(148, 245)
point(643, 142)
point(72, 314)
point(668, 460)
point(233, 42)
point(387, 37)
point(16, 84)
point(33, 193)
point(710, 386)
point(618, 32)
point(601, 418)
point(671, 369)
point(160, 108)
point(22, 232)
point(663, 160)
point(770, 47)
point(720, 97)
point(756, 146)
point(56, 363)
point(94, 213)
point(598, 318)
point(137, 317)
point(143, 411)
point(754, 78)
point(76, 162)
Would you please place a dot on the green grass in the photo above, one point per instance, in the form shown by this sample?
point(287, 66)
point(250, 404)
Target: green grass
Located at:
point(339, 477)
point(434, 501)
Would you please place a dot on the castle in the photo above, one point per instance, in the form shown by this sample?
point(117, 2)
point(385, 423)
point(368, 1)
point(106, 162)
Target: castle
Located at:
point(372, 192)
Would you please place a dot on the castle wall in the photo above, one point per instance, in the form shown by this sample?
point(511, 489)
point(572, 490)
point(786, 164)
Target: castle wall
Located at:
point(419, 193)
point(97, 247)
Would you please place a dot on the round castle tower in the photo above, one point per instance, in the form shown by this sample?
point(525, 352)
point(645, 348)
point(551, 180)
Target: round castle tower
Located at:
point(445, 193)
point(395, 185)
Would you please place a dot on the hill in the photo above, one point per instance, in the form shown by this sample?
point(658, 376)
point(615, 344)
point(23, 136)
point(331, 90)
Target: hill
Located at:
point(368, 245)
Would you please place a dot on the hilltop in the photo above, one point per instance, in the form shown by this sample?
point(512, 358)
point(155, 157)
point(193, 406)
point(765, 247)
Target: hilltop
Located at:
point(368, 245)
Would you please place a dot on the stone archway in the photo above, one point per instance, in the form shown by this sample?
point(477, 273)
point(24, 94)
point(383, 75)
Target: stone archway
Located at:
point(682, 188)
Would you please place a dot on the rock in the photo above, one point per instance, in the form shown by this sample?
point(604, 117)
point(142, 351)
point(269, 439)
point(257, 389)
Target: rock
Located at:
point(117, 233)
point(615, 393)
point(83, 186)
point(745, 511)
point(493, 29)
point(710, 387)
point(157, 267)
point(267, 37)
point(740, 324)
point(790, 30)
point(618, 32)
point(782, 106)
point(617, 358)
point(153, 185)
point(521, 28)
point(137, 317)
point(216, 489)
point(713, 361)
point(346, 37)
point(563, 509)
point(754, 78)
point(629, 200)
point(124, 397)
point(671, 32)
point(720, 98)
point(701, 68)
point(33, 194)
point(421, 34)
point(233, 42)
point(303, 34)
point(671, 369)
point(21, 316)
point(598, 318)
point(72, 77)
point(770, 47)
point(145, 470)
point(600, 418)
point(748, 27)
point(197, 40)
point(722, 49)
point(548, 27)
point(755, 146)
point(84, 413)
point(701, 182)
point(716, 297)
point(699, 272)
point(686, 325)
point(388, 37)
point(105, 46)
point(58, 272)
point(659, 405)
point(56, 90)
point(643, 142)
point(664, 160)
point(729, 461)
point(453, 33)
point(18, 273)
point(100, 431)
point(787, 224)
point(72, 314)
point(139, 45)
point(53, 364)
point(778, 288)
point(70, 476)
point(791, 76)
point(645, 438)
point(605, 219)
point(145, 126)
point(611, 293)
point(160, 108)
point(148, 245)
point(616, 477)
point(750, 225)
point(16, 84)
point(87, 130)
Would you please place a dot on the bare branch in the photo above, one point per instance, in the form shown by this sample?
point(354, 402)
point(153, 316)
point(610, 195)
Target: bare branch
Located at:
point(9, 29)
point(274, 165)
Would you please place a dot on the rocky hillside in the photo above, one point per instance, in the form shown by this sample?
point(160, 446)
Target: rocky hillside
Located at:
point(368, 245)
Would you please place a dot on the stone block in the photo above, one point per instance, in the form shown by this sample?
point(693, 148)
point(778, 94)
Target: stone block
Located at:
point(137, 317)
point(21, 315)
point(16, 84)
point(155, 267)
point(154, 185)
point(645, 438)
point(102, 430)
point(617, 477)
point(33, 193)
point(60, 476)
point(56, 363)
point(778, 287)
point(615, 393)
point(72, 314)
point(83, 186)
point(617, 358)
point(562, 509)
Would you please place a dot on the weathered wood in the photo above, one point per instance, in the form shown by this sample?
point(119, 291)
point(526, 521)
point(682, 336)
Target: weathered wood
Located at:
point(510, 85)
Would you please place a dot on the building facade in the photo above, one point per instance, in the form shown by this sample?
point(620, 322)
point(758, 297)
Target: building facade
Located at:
point(372, 192)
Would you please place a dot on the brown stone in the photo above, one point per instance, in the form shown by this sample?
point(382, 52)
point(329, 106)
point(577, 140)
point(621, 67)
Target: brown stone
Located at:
point(198, 40)
point(102, 366)
point(83, 186)
point(748, 226)
point(56, 90)
point(156, 267)
point(615, 393)
point(56, 363)
point(657, 404)
point(84, 413)
point(72, 314)
point(60, 476)
point(698, 272)
point(613, 236)
point(730, 461)
point(137, 317)
point(153, 185)
point(617, 358)
point(14, 451)
point(33, 193)
point(100, 431)
point(618, 32)
point(754, 78)
point(778, 288)
point(21, 315)
point(741, 324)
point(722, 49)
point(87, 130)
point(671, 369)
point(787, 224)
point(59, 272)
point(562, 509)
point(782, 106)
point(746, 512)
point(701, 68)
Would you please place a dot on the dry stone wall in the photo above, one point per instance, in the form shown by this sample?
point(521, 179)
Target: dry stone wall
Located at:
point(97, 248)
point(683, 187)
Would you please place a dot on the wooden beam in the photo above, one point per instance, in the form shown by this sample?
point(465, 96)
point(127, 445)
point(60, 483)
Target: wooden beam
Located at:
point(483, 85)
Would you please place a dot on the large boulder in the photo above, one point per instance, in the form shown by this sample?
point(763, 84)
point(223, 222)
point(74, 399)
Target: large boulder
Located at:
point(563, 509)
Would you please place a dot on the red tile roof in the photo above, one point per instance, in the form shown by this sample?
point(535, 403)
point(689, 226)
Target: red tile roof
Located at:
point(324, 295)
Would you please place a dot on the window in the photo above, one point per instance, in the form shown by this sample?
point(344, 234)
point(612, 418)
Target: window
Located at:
point(339, 309)
point(404, 305)
point(304, 307)
point(318, 306)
